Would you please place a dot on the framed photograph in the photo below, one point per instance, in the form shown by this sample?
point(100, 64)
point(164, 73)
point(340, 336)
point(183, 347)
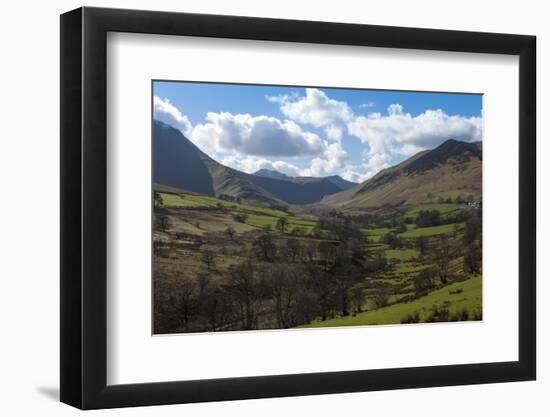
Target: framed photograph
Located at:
point(257, 208)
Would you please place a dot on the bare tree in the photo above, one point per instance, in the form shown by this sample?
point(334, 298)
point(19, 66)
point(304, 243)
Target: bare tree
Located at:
point(214, 307)
point(322, 285)
point(162, 224)
point(344, 277)
point(357, 298)
point(158, 199)
point(209, 259)
point(292, 249)
point(230, 232)
point(282, 224)
point(283, 283)
point(309, 251)
point(246, 290)
point(443, 252)
point(265, 247)
point(328, 252)
point(187, 300)
point(422, 244)
point(472, 259)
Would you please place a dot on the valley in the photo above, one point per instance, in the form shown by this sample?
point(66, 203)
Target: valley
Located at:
point(215, 259)
point(240, 251)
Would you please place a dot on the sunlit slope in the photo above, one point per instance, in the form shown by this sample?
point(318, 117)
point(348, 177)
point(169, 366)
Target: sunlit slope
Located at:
point(450, 170)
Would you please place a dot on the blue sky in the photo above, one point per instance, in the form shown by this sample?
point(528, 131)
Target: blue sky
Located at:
point(314, 131)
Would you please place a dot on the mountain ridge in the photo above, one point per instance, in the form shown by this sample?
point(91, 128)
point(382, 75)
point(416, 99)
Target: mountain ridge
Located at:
point(450, 169)
point(181, 164)
point(334, 179)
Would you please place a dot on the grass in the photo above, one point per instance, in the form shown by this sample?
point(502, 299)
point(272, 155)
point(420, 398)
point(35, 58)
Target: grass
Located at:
point(198, 201)
point(408, 268)
point(469, 298)
point(260, 220)
point(443, 208)
point(256, 216)
point(199, 215)
point(430, 231)
point(375, 235)
point(402, 254)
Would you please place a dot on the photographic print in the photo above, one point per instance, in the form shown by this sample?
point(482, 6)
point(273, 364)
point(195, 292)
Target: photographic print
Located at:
point(282, 207)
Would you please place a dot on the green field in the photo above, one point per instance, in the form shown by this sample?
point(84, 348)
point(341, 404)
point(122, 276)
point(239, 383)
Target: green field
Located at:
point(430, 231)
point(469, 298)
point(199, 227)
point(198, 201)
point(443, 208)
point(256, 216)
point(260, 220)
point(402, 254)
point(375, 235)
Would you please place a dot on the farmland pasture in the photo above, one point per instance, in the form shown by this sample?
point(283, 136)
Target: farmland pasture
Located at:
point(254, 215)
point(402, 254)
point(457, 297)
point(198, 230)
point(430, 231)
point(187, 200)
point(443, 208)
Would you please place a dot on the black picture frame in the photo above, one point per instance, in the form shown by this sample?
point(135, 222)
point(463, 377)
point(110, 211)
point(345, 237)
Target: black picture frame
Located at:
point(84, 207)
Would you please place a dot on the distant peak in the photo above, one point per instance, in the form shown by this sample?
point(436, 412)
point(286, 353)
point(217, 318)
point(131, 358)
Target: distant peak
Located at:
point(271, 173)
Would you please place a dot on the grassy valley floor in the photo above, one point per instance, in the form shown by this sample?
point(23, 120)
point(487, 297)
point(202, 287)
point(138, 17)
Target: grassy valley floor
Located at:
point(456, 297)
point(208, 266)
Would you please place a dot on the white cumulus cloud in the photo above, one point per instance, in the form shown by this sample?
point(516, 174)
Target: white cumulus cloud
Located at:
point(316, 109)
point(368, 105)
point(399, 133)
point(252, 164)
point(335, 159)
point(255, 135)
point(166, 112)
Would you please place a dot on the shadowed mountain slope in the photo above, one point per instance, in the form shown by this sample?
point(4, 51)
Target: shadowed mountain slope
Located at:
point(179, 163)
point(326, 188)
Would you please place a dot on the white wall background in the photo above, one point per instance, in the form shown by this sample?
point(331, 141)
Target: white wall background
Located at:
point(29, 181)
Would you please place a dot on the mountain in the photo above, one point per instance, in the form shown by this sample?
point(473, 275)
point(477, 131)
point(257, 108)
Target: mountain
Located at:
point(451, 169)
point(341, 183)
point(269, 173)
point(180, 164)
point(337, 180)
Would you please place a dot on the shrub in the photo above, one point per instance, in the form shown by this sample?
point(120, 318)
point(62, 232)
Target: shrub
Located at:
point(391, 239)
point(462, 315)
point(298, 231)
point(427, 218)
point(379, 263)
point(411, 318)
point(424, 281)
point(477, 315)
point(381, 300)
point(240, 217)
point(401, 228)
point(438, 314)
point(162, 224)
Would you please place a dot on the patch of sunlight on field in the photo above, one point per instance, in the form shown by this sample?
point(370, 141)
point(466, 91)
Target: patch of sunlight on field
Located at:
point(407, 268)
point(402, 254)
point(443, 208)
point(262, 221)
point(194, 200)
point(469, 298)
point(430, 231)
point(375, 235)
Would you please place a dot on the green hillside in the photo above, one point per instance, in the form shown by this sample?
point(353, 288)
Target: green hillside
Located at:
point(456, 297)
point(449, 171)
